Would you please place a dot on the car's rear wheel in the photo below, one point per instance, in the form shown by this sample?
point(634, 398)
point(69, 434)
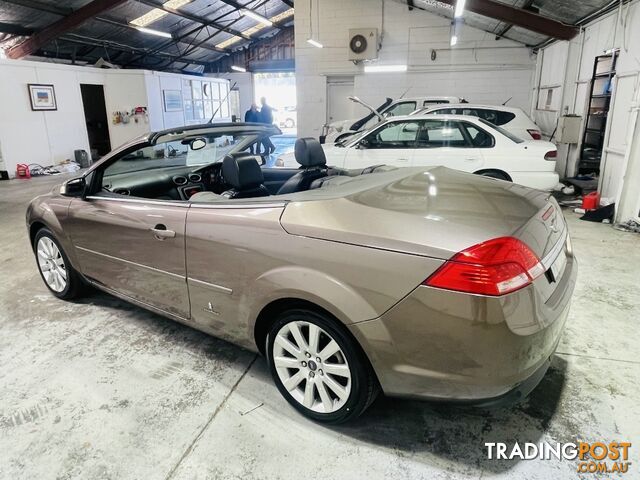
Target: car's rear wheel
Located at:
point(289, 123)
point(318, 367)
point(54, 267)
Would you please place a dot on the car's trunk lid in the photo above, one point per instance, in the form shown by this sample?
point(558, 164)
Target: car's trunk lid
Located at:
point(436, 212)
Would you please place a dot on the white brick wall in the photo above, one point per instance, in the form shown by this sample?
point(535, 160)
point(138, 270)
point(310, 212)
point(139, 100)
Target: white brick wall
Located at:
point(479, 68)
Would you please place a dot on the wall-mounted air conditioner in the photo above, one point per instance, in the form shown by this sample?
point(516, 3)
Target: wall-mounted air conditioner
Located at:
point(363, 44)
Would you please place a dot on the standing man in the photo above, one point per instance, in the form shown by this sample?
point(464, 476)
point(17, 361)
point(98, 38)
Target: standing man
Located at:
point(266, 116)
point(252, 115)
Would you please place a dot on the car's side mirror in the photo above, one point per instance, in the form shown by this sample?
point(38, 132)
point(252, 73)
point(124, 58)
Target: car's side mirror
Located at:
point(364, 143)
point(76, 187)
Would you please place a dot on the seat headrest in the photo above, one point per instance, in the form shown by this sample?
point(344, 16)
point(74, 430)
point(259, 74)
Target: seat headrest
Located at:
point(309, 152)
point(242, 171)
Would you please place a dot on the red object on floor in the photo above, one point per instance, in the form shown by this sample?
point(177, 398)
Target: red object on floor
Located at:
point(22, 171)
point(591, 201)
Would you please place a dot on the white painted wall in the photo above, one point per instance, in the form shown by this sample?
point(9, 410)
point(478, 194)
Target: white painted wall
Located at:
point(245, 86)
point(39, 137)
point(48, 138)
point(569, 67)
point(478, 68)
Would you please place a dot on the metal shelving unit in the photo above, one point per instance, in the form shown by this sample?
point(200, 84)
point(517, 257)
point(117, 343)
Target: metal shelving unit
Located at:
point(604, 69)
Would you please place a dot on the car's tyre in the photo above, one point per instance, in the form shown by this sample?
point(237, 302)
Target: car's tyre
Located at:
point(289, 123)
point(319, 368)
point(495, 174)
point(54, 266)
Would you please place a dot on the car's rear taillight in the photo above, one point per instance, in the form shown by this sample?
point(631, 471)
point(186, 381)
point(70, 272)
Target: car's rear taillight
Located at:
point(535, 134)
point(551, 155)
point(495, 267)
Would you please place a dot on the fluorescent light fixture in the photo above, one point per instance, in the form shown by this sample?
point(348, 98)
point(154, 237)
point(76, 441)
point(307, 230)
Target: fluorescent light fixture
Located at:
point(229, 41)
point(313, 42)
point(249, 32)
point(384, 68)
point(454, 40)
point(256, 17)
point(281, 16)
point(157, 13)
point(151, 31)
point(459, 8)
point(238, 69)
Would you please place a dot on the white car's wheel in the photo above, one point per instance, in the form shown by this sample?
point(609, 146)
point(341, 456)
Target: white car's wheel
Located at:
point(318, 368)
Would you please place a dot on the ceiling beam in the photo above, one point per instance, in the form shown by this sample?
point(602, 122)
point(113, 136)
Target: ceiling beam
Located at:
point(62, 26)
point(13, 29)
point(194, 18)
point(526, 6)
point(82, 40)
point(43, 7)
point(519, 17)
point(129, 26)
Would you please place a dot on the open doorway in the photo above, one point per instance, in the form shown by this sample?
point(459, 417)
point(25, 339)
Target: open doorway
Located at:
point(95, 114)
point(279, 89)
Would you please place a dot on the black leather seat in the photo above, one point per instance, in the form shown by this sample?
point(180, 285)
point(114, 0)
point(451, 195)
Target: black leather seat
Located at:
point(313, 165)
point(242, 171)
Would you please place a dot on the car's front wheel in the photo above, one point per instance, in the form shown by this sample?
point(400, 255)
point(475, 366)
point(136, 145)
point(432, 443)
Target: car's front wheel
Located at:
point(56, 271)
point(318, 368)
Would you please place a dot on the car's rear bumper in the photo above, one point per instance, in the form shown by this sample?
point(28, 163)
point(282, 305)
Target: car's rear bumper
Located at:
point(444, 345)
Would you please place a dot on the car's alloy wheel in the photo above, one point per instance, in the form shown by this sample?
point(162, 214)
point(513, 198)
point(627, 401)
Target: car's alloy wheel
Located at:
point(54, 266)
point(51, 264)
point(318, 367)
point(312, 366)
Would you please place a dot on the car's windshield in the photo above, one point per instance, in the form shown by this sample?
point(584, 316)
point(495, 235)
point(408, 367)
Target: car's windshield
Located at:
point(504, 132)
point(178, 153)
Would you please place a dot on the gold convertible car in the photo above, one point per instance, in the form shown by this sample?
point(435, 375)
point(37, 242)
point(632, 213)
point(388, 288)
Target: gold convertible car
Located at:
point(420, 282)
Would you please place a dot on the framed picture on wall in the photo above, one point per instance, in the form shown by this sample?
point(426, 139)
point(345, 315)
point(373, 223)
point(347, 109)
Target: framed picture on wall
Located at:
point(43, 97)
point(172, 100)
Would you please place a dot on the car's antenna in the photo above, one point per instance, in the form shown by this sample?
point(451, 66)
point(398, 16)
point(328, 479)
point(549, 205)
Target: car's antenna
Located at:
point(507, 101)
point(223, 100)
point(405, 92)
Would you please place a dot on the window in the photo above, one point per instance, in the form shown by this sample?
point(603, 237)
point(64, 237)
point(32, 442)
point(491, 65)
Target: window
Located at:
point(170, 154)
point(402, 108)
point(479, 138)
point(147, 171)
point(504, 132)
point(434, 102)
point(440, 133)
point(497, 117)
point(393, 135)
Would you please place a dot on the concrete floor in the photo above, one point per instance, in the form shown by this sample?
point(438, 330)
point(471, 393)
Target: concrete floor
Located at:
point(101, 389)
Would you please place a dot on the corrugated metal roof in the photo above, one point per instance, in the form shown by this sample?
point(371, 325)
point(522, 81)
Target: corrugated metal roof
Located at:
point(566, 11)
point(112, 37)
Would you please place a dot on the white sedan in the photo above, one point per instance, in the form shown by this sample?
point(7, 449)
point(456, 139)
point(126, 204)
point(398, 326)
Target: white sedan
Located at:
point(462, 142)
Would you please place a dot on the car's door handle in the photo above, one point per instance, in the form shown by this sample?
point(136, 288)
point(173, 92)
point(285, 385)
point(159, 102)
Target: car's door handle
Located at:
point(160, 232)
point(403, 159)
point(471, 159)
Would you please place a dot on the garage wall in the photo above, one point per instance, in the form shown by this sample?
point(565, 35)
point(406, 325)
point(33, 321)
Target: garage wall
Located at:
point(571, 75)
point(39, 137)
point(48, 138)
point(244, 85)
point(478, 68)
